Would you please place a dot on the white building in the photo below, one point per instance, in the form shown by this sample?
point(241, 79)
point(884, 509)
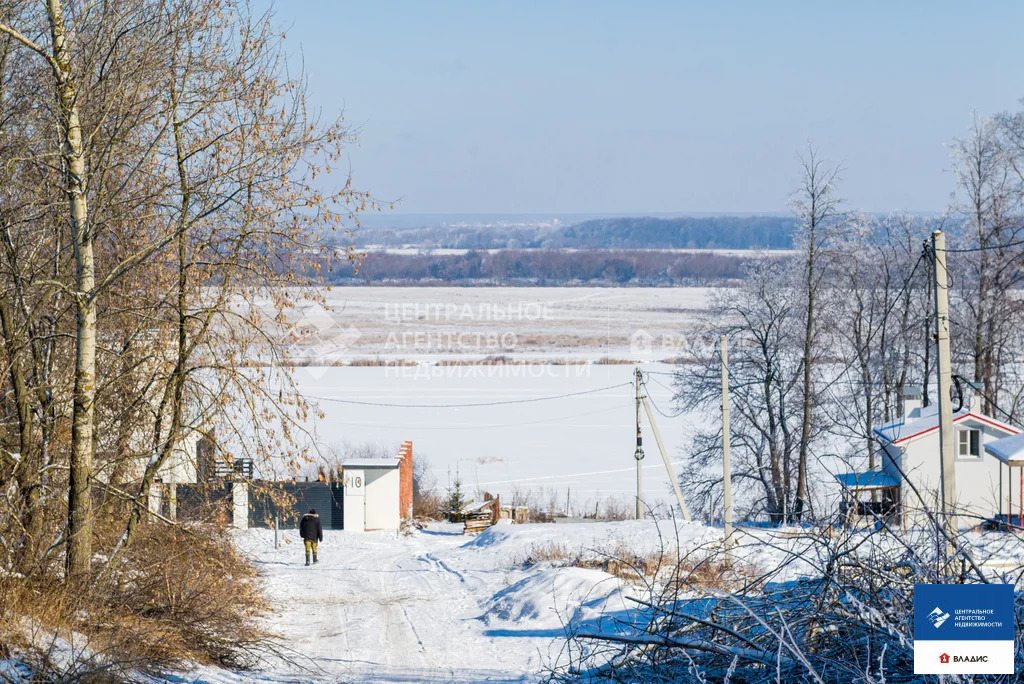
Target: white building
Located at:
point(909, 480)
point(372, 487)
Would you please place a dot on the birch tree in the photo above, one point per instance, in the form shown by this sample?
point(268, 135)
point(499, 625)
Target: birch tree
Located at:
point(151, 249)
point(59, 57)
point(817, 207)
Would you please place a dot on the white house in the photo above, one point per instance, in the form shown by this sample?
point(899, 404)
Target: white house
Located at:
point(1010, 451)
point(909, 479)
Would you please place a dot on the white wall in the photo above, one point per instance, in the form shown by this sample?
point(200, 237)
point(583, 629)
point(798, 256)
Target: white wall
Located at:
point(354, 501)
point(240, 505)
point(382, 492)
point(977, 480)
point(181, 465)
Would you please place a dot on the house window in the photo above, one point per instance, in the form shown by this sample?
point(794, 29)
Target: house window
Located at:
point(968, 444)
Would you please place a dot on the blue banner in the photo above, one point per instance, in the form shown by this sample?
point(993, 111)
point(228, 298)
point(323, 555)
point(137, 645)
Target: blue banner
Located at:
point(963, 612)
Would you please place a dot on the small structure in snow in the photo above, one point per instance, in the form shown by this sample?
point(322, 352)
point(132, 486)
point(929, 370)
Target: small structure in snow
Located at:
point(909, 480)
point(520, 515)
point(1010, 452)
point(378, 491)
point(477, 516)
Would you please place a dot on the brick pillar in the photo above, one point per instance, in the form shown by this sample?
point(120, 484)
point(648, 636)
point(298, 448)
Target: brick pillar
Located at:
point(405, 480)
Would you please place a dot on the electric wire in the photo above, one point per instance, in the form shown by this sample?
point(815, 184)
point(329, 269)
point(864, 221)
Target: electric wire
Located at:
point(504, 402)
point(650, 399)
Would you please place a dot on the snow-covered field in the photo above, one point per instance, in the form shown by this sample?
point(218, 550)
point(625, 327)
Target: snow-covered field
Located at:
point(550, 323)
point(578, 446)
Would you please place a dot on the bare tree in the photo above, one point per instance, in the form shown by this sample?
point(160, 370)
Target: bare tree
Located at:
point(987, 199)
point(762, 322)
point(186, 179)
point(817, 207)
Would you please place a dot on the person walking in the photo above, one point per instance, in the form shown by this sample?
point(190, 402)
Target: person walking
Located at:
point(311, 532)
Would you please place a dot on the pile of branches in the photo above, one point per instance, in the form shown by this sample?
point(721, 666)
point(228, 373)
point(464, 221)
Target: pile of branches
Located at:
point(848, 617)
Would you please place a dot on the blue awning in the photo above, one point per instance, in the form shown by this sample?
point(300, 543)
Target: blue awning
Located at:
point(872, 479)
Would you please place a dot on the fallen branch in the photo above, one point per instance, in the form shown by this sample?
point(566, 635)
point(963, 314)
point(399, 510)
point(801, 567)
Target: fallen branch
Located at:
point(693, 644)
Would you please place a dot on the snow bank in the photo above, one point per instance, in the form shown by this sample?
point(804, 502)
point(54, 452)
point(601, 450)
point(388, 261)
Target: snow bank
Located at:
point(558, 597)
point(506, 545)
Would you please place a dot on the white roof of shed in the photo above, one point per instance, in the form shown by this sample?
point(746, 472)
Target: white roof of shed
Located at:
point(1009, 450)
point(371, 463)
point(925, 420)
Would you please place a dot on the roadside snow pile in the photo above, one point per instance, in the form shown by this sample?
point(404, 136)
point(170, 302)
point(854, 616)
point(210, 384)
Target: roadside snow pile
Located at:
point(506, 544)
point(559, 597)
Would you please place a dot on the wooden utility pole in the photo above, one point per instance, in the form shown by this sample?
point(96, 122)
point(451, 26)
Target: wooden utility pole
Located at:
point(664, 457)
point(638, 455)
point(946, 436)
point(726, 455)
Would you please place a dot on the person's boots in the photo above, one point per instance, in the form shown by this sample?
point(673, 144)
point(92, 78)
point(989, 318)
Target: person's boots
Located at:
point(314, 557)
point(307, 559)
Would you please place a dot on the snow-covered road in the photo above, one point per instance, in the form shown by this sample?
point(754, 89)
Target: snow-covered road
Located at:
point(439, 606)
point(384, 607)
point(377, 610)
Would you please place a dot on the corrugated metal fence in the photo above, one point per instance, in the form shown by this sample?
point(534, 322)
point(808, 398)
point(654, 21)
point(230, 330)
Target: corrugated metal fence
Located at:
point(288, 500)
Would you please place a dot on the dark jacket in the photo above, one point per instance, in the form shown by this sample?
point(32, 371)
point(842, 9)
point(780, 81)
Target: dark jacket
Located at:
point(310, 528)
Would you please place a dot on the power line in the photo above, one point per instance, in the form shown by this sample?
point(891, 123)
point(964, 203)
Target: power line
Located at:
point(885, 315)
point(468, 405)
point(656, 407)
point(965, 250)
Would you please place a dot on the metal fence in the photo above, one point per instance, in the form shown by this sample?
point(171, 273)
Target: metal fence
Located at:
point(326, 498)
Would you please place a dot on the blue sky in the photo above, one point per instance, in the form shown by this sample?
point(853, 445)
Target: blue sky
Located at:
point(621, 108)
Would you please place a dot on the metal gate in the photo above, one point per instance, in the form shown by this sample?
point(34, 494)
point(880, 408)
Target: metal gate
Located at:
point(326, 498)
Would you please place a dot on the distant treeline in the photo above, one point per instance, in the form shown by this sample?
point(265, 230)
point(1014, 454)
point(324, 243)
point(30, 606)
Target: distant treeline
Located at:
point(543, 267)
point(718, 232)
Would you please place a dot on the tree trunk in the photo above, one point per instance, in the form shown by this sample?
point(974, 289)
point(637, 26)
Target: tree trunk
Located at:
point(79, 536)
point(27, 470)
point(805, 421)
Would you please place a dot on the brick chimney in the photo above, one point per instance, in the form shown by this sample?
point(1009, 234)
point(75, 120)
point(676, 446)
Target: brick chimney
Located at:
point(405, 480)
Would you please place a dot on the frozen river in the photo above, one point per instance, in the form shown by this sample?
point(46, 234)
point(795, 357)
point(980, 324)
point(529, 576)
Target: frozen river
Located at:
point(521, 429)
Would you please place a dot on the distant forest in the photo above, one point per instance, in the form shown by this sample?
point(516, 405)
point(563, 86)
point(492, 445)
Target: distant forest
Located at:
point(718, 232)
point(540, 267)
point(713, 232)
point(601, 252)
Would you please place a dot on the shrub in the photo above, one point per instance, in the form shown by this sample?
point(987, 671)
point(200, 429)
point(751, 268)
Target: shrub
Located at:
point(176, 595)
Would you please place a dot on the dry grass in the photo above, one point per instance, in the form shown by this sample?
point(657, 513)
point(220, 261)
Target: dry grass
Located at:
point(176, 596)
point(670, 571)
point(503, 360)
point(384, 363)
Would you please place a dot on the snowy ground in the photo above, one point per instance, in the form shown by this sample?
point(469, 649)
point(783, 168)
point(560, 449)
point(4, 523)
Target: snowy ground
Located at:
point(438, 606)
point(578, 446)
point(357, 324)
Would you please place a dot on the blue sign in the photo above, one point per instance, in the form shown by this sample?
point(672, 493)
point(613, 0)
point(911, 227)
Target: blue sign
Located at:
point(963, 612)
point(963, 629)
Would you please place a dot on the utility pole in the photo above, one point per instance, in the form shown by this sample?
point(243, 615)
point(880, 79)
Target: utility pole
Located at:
point(664, 457)
point(948, 472)
point(726, 449)
point(638, 455)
